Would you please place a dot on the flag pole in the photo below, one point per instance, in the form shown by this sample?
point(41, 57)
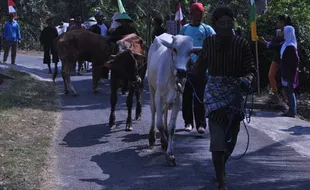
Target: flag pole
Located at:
point(257, 66)
point(253, 20)
point(257, 62)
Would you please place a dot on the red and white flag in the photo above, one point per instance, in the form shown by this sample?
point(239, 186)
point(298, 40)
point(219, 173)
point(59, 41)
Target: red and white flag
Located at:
point(11, 5)
point(179, 14)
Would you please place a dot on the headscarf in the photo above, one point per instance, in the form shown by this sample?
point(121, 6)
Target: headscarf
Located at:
point(290, 39)
point(197, 7)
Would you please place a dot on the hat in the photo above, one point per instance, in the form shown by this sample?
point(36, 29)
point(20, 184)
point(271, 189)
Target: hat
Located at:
point(92, 19)
point(98, 13)
point(71, 19)
point(123, 16)
point(197, 7)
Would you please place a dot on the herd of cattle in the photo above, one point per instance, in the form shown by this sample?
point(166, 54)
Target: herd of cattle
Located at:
point(129, 59)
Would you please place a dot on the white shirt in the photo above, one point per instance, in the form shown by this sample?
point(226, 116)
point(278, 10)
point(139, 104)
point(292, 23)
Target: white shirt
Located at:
point(104, 30)
point(114, 23)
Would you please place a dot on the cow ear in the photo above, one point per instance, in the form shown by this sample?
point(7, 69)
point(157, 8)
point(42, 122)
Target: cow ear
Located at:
point(109, 64)
point(196, 50)
point(167, 44)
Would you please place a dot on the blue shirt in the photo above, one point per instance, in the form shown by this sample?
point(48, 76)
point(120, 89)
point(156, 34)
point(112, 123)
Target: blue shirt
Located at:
point(198, 34)
point(11, 32)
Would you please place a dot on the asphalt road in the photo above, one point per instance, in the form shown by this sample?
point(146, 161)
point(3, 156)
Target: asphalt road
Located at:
point(90, 156)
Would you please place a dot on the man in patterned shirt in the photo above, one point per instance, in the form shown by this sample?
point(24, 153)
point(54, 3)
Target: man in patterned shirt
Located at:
point(230, 63)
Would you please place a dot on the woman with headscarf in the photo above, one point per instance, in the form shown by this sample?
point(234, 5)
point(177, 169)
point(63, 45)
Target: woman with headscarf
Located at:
point(289, 67)
point(282, 21)
point(194, 87)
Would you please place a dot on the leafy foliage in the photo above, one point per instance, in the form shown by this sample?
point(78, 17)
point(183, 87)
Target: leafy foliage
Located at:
point(32, 15)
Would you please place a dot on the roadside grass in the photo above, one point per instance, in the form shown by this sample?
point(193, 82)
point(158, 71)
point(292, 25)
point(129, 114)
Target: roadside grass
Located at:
point(28, 118)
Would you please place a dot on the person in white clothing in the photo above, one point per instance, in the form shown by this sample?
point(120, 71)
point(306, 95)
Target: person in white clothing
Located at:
point(114, 23)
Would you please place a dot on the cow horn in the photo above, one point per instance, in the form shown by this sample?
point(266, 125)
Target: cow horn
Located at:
point(138, 54)
point(113, 56)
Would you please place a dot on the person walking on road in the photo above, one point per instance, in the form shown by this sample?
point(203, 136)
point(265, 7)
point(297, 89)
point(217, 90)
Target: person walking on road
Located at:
point(230, 64)
point(47, 39)
point(102, 29)
point(289, 67)
point(194, 86)
point(282, 21)
point(76, 25)
point(11, 37)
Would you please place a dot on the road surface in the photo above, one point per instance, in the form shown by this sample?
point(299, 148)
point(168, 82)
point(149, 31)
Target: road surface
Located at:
point(90, 156)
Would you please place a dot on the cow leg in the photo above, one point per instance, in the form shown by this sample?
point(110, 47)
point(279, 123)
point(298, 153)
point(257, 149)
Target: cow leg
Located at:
point(129, 102)
point(166, 120)
point(152, 133)
point(159, 120)
point(63, 77)
point(96, 77)
point(55, 72)
point(66, 72)
point(171, 130)
point(113, 100)
point(138, 94)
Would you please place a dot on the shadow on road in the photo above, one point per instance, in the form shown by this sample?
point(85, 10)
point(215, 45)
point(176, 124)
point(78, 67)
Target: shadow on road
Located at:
point(89, 135)
point(298, 130)
point(87, 100)
point(133, 166)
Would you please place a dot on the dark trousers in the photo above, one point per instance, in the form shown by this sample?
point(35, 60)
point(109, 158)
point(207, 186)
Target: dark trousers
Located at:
point(7, 47)
point(187, 102)
point(48, 50)
point(104, 73)
point(1, 44)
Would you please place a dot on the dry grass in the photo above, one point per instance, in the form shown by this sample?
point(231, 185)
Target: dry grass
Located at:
point(28, 119)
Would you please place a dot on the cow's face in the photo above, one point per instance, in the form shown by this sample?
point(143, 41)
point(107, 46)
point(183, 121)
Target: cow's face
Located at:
point(181, 49)
point(125, 66)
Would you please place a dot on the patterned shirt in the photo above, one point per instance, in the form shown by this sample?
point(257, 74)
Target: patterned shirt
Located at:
point(225, 62)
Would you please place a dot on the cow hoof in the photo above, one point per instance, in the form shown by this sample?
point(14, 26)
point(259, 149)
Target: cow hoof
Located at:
point(95, 91)
point(138, 117)
point(164, 143)
point(75, 94)
point(66, 92)
point(112, 126)
point(171, 160)
point(152, 140)
point(129, 127)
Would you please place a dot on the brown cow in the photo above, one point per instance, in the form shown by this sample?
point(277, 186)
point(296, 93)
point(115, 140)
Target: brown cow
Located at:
point(134, 52)
point(83, 45)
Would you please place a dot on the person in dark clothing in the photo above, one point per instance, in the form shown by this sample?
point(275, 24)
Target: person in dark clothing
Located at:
point(230, 64)
point(158, 28)
point(102, 29)
point(47, 38)
point(1, 36)
point(289, 66)
point(282, 20)
point(124, 29)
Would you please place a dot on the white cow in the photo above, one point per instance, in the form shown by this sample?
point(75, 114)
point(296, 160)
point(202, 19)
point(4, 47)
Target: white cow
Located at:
point(167, 69)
